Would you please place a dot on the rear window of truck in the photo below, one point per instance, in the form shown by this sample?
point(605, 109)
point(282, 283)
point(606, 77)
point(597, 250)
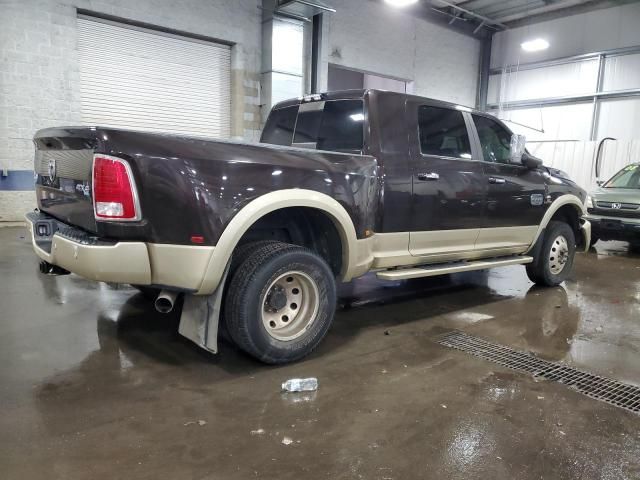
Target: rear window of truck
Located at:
point(335, 125)
point(279, 127)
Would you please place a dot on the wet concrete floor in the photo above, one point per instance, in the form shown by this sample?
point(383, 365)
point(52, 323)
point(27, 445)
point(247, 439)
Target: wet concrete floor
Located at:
point(95, 384)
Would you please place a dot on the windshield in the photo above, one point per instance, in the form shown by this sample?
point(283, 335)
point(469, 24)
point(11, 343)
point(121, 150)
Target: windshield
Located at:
point(628, 177)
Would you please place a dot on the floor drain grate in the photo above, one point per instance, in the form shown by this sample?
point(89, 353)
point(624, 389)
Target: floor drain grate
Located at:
point(616, 393)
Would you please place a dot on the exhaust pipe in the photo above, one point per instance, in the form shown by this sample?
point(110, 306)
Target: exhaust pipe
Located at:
point(165, 301)
point(47, 268)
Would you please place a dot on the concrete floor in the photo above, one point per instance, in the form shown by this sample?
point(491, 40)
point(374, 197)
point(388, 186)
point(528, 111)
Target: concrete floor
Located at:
point(95, 384)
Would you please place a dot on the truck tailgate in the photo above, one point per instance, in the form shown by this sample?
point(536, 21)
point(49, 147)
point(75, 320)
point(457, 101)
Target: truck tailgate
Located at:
point(63, 162)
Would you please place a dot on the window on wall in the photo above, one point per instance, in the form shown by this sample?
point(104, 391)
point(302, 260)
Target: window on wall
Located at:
point(443, 132)
point(495, 140)
point(552, 123)
point(576, 78)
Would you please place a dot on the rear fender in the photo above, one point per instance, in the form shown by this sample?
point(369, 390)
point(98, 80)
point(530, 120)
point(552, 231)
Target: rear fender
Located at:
point(268, 203)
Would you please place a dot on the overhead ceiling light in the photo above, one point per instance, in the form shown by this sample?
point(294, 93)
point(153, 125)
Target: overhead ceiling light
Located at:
point(535, 45)
point(400, 3)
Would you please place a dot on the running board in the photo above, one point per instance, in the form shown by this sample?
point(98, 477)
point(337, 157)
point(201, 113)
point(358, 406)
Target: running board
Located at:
point(442, 269)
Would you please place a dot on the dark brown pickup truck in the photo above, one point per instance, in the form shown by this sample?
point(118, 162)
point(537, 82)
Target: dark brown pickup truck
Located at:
point(257, 235)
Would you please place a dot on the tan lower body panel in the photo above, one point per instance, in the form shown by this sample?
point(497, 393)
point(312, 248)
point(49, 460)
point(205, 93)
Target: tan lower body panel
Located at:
point(505, 237)
point(393, 250)
point(125, 262)
point(440, 242)
point(178, 265)
point(137, 263)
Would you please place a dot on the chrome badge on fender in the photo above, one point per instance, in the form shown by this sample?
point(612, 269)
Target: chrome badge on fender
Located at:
point(537, 199)
point(52, 169)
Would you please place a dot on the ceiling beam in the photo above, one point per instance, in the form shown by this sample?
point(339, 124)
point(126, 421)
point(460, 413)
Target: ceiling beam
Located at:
point(482, 18)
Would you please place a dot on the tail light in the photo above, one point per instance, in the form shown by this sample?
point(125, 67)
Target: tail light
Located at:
point(114, 190)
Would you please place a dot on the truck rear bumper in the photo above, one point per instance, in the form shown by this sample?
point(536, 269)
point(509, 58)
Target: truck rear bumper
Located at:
point(179, 267)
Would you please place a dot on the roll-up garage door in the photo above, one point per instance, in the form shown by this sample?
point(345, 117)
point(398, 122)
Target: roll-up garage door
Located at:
point(144, 80)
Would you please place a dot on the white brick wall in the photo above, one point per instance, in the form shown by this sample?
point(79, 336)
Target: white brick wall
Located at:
point(376, 38)
point(39, 77)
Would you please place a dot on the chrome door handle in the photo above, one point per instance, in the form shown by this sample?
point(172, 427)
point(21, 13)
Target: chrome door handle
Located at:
point(497, 180)
point(428, 176)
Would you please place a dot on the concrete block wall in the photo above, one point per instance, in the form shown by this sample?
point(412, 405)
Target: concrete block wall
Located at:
point(375, 38)
point(39, 71)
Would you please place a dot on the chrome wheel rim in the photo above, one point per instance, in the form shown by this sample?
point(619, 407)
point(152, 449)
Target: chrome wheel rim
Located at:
point(559, 255)
point(290, 305)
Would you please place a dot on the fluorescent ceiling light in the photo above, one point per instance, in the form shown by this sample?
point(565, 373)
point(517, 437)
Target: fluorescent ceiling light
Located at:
point(400, 3)
point(535, 45)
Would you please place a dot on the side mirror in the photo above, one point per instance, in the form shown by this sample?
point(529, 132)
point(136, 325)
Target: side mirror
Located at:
point(517, 148)
point(530, 161)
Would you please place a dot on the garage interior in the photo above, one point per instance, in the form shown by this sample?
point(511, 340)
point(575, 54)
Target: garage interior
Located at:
point(96, 383)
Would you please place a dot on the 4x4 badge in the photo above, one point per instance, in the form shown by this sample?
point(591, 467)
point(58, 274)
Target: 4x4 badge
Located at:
point(52, 169)
point(537, 199)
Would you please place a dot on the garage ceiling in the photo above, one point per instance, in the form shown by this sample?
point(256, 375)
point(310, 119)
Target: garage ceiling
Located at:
point(508, 13)
point(482, 17)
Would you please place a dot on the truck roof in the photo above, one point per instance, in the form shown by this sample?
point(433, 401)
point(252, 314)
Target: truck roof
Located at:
point(361, 93)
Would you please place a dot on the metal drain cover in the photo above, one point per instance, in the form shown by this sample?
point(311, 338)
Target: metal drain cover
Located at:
point(616, 393)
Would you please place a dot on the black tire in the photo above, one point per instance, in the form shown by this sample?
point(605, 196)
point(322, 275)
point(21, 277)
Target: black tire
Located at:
point(540, 270)
point(239, 256)
point(246, 295)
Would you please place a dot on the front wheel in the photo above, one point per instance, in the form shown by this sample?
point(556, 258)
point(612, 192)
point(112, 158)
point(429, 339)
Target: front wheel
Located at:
point(554, 259)
point(280, 302)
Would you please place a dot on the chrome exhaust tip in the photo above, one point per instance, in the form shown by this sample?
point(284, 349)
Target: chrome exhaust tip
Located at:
point(165, 301)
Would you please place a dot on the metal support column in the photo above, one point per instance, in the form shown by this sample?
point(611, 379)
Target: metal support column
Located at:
point(316, 42)
point(483, 77)
point(595, 114)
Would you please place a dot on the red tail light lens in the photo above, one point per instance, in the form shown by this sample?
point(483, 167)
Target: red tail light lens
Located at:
point(114, 191)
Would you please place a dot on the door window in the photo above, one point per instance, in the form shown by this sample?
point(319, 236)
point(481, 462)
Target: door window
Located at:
point(495, 140)
point(443, 132)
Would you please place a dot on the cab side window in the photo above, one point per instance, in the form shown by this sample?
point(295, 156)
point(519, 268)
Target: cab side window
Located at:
point(443, 132)
point(495, 140)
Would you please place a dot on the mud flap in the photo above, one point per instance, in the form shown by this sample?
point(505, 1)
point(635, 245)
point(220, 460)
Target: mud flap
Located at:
point(200, 317)
point(585, 229)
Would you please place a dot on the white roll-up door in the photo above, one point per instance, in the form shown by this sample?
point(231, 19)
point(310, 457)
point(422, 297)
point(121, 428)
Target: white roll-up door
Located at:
point(144, 80)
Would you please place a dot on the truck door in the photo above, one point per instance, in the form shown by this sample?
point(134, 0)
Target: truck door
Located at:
point(448, 186)
point(516, 194)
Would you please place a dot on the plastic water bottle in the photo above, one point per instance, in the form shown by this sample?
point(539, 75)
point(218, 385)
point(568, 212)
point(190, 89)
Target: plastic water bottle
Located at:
point(300, 385)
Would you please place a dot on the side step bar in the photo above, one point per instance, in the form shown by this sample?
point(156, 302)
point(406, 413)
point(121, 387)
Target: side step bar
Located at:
point(442, 269)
